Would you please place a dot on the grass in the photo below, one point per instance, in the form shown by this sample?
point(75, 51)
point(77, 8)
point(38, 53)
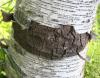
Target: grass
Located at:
point(92, 69)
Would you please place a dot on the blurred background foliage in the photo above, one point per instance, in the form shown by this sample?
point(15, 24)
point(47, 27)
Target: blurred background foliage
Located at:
point(92, 68)
point(5, 32)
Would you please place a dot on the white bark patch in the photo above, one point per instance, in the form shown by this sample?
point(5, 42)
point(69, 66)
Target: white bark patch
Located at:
point(54, 13)
point(37, 67)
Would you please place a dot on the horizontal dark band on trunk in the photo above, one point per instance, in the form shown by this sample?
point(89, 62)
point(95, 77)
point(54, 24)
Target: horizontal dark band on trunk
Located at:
point(52, 43)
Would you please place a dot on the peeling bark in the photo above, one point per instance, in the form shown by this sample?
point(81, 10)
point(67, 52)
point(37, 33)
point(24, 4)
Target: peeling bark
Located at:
point(52, 43)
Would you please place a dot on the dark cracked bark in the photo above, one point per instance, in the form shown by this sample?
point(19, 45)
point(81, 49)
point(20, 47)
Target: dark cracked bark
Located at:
point(51, 43)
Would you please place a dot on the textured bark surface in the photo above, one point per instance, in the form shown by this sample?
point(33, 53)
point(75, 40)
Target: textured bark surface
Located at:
point(34, 66)
point(30, 45)
point(51, 43)
point(79, 13)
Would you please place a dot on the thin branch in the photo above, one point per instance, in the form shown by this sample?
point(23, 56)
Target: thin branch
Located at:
point(11, 9)
point(5, 3)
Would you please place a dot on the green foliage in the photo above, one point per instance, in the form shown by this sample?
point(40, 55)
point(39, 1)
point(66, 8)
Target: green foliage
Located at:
point(5, 28)
point(92, 69)
point(2, 63)
point(5, 31)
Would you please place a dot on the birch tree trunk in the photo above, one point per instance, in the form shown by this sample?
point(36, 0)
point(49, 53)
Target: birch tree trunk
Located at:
point(50, 37)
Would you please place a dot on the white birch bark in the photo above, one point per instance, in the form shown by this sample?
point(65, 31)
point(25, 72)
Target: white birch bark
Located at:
point(53, 13)
point(38, 67)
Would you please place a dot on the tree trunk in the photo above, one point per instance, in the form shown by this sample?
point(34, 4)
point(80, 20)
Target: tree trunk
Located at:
point(50, 37)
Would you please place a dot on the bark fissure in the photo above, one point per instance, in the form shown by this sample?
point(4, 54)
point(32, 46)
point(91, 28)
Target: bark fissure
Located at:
point(81, 41)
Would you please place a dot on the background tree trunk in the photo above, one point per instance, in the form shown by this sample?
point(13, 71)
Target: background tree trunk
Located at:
point(43, 49)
